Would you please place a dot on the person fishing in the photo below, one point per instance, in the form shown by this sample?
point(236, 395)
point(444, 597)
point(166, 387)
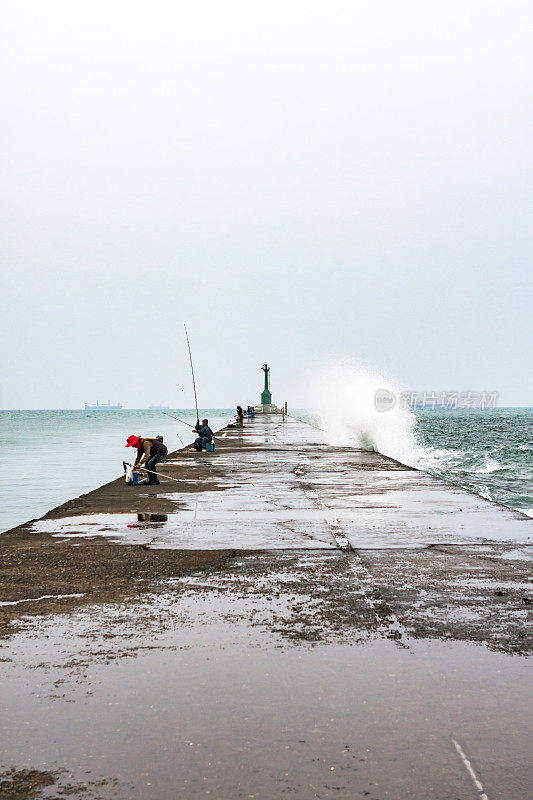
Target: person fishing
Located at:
point(205, 435)
point(239, 416)
point(149, 453)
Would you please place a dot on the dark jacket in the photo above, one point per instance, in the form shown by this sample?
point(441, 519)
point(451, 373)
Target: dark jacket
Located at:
point(204, 431)
point(148, 448)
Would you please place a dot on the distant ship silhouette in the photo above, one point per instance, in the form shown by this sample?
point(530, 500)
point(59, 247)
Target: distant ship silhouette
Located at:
point(102, 406)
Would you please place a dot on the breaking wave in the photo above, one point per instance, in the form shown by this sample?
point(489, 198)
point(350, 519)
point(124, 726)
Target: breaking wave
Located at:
point(489, 466)
point(483, 451)
point(346, 410)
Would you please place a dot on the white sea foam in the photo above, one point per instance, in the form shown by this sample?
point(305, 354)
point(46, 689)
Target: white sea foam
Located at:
point(489, 466)
point(347, 412)
point(437, 458)
point(485, 492)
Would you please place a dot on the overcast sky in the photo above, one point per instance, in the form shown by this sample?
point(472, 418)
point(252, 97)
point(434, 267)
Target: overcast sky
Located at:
point(294, 180)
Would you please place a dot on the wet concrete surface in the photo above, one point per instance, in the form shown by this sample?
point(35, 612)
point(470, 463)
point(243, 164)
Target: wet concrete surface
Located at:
point(344, 657)
point(278, 490)
point(250, 682)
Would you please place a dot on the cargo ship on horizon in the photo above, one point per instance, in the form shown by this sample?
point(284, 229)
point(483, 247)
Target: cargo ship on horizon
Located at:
point(102, 406)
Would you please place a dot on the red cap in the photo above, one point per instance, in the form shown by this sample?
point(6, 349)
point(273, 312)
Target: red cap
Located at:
point(133, 441)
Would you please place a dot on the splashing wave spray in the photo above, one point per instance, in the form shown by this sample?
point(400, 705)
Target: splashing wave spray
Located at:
point(346, 410)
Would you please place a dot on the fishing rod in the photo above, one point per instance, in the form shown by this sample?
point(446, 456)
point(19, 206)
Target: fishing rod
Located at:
point(160, 474)
point(189, 425)
point(192, 372)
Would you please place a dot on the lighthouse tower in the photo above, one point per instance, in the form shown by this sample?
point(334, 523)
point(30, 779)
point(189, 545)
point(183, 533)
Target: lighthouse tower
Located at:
point(267, 406)
point(266, 396)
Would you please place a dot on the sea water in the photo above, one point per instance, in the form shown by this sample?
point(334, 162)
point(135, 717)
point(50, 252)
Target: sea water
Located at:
point(487, 451)
point(48, 457)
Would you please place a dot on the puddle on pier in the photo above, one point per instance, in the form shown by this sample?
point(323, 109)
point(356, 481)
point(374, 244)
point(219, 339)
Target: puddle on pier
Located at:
point(196, 529)
point(264, 517)
point(520, 554)
point(186, 694)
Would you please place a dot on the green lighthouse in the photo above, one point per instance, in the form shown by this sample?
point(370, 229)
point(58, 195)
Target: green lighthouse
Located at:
point(266, 396)
point(267, 406)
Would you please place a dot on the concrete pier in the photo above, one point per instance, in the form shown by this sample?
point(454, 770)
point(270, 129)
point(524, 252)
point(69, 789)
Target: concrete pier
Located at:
point(283, 618)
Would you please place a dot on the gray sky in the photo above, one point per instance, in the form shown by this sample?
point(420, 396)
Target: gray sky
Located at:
point(295, 181)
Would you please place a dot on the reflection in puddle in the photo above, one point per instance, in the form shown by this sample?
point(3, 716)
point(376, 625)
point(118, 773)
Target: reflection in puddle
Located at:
point(149, 517)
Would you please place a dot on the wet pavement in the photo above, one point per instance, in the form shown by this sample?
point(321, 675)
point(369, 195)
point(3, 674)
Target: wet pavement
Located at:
point(287, 489)
point(364, 631)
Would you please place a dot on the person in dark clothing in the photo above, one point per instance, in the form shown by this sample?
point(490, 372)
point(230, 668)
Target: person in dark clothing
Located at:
point(205, 435)
point(239, 416)
point(149, 453)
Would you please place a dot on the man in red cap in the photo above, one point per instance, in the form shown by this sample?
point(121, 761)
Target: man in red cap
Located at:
point(149, 453)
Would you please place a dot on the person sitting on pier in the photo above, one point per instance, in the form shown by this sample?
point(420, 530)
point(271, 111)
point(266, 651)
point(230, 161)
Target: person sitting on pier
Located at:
point(149, 453)
point(205, 435)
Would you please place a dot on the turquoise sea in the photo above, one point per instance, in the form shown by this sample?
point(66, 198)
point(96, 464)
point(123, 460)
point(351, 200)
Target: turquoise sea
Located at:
point(487, 451)
point(48, 457)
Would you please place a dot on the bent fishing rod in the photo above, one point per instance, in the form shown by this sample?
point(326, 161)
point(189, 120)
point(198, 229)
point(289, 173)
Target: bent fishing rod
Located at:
point(189, 425)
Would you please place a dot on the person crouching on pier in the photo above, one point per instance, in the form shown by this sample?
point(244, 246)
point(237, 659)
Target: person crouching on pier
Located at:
point(205, 435)
point(149, 453)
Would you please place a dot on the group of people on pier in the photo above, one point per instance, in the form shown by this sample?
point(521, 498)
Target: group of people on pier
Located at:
point(150, 451)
